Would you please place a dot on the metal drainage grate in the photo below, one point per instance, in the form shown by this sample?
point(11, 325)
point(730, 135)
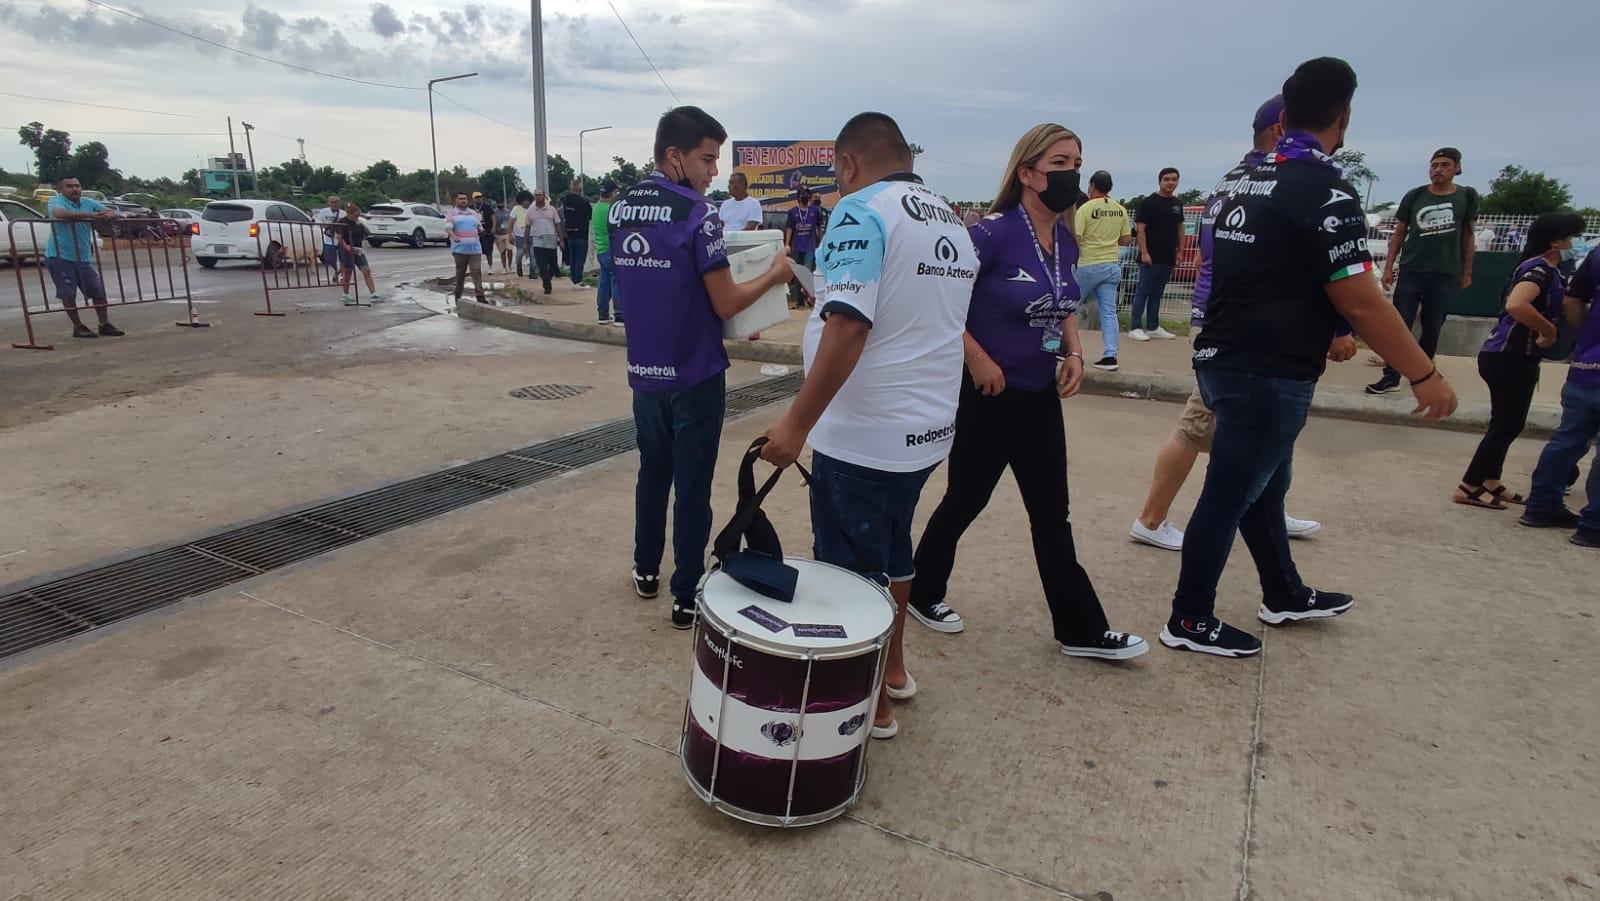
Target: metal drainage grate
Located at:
point(548, 392)
point(71, 605)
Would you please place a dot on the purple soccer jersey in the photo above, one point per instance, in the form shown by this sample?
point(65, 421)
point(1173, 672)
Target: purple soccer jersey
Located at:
point(803, 220)
point(1014, 302)
point(1585, 368)
point(1511, 336)
point(664, 239)
point(1208, 226)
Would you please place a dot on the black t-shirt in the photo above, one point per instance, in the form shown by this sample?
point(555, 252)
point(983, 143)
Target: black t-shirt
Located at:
point(487, 211)
point(575, 212)
point(1163, 222)
point(1286, 230)
point(356, 234)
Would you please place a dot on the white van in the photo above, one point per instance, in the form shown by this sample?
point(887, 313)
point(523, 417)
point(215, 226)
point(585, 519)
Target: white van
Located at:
point(254, 230)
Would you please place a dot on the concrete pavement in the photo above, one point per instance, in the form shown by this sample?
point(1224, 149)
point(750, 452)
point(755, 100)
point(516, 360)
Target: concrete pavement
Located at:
point(477, 706)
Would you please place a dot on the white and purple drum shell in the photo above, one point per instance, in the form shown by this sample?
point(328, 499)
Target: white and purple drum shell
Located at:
point(782, 695)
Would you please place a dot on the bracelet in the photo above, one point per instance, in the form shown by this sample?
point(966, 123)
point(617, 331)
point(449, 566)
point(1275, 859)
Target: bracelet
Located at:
point(1431, 373)
point(1073, 353)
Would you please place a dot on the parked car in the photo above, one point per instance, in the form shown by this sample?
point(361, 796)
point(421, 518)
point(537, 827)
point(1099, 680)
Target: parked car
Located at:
point(266, 231)
point(409, 223)
point(28, 241)
point(184, 218)
point(42, 195)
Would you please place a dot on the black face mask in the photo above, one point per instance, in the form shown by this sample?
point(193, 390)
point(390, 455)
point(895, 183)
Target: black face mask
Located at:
point(1061, 190)
point(683, 180)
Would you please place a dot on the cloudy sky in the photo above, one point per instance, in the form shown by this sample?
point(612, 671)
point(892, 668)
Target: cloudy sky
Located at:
point(1147, 83)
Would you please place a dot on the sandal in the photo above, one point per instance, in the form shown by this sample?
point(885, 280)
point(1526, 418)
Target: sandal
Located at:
point(1473, 496)
point(1509, 498)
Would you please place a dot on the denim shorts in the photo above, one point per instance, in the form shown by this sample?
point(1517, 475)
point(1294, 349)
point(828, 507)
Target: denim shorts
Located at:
point(71, 277)
point(350, 258)
point(861, 517)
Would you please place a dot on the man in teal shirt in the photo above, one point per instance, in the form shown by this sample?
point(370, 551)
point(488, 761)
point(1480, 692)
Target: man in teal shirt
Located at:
point(69, 254)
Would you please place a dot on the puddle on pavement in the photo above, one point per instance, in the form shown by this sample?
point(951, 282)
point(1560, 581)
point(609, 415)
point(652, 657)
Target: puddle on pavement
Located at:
point(447, 334)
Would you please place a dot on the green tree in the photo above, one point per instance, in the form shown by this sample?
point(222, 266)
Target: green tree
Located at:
point(380, 172)
point(91, 163)
point(325, 180)
point(52, 150)
point(297, 171)
point(503, 182)
point(560, 173)
point(1192, 197)
point(1519, 191)
point(192, 182)
point(626, 174)
point(1384, 207)
point(1356, 170)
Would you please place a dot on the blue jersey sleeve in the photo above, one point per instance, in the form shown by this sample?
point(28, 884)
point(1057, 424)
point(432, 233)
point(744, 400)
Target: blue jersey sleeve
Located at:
point(852, 261)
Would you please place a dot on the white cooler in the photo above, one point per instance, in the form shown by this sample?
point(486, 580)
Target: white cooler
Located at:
point(750, 254)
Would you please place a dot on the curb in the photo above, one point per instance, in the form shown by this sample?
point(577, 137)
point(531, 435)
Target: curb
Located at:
point(1469, 417)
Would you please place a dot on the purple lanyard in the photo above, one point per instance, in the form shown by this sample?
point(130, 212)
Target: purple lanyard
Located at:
point(1057, 282)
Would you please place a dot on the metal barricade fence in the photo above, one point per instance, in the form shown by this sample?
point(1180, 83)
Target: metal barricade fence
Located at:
point(294, 256)
point(152, 267)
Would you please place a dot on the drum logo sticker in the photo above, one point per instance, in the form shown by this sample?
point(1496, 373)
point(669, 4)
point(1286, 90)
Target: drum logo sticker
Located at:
point(813, 630)
point(727, 655)
point(853, 725)
point(763, 619)
point(780, 733)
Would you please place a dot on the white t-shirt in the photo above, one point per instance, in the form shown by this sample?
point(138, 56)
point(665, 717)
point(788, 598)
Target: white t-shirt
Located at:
point(898, 257)
point(736, 214)
point(326, 216)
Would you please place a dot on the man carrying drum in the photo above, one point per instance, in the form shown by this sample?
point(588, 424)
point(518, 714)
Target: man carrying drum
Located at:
point(883, 356)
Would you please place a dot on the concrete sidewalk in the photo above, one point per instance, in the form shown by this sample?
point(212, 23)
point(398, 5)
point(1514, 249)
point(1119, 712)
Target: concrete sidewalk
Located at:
point(1155, 370)
point(477, 707)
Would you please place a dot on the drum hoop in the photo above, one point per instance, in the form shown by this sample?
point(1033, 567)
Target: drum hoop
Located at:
point(768, 646)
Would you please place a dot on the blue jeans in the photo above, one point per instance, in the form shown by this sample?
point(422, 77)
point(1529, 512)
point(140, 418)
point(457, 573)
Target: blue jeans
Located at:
point(606, 296)
point(1258, 420)
point(1580, 425)
point(861, 517)
point(577, 256)
point(679, 432)
point(1430, 295)
point(1100, 281)
point(808, 259)
point(1147, 296)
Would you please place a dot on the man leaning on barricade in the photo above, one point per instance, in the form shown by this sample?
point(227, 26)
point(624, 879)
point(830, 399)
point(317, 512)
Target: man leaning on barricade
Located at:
point(70, 257)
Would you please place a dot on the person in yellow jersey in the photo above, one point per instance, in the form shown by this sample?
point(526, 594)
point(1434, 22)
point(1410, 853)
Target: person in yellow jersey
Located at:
point(1102, 228)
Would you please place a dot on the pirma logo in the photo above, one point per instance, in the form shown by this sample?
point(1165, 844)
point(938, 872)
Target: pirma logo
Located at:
point(1335, 196)
point(945, 251)
point(636, 245)
point(1236, 218)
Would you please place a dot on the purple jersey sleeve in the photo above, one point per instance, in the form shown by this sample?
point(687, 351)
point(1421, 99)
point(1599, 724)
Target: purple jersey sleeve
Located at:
point(710, 247)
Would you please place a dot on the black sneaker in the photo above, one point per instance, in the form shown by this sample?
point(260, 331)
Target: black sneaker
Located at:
point(937, 616)
point(109, 330)
point(1562, 518)
point(1585, 537)
point(1389, 384)
point(1110, 646)
point(82, 331)
point(1313, 605)
point(646, 585)
point(1109, 364)
point(683, 611)
point(1209, 636)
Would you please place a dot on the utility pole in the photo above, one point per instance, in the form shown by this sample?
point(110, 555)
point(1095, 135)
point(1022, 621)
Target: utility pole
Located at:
point(541, 166)
point(580, 147)
point(432, 139)
point(231, 166)
point(255, 185)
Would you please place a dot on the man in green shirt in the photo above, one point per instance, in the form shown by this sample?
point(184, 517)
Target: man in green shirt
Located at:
point(606, 296)
point(1430, 254)
point(1102, 228)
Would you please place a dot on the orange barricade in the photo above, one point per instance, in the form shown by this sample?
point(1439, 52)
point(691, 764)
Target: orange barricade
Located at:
point(293, 257)
point(150, 267)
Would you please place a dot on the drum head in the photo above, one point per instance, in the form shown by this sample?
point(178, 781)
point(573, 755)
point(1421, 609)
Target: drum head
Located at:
point(833, 609)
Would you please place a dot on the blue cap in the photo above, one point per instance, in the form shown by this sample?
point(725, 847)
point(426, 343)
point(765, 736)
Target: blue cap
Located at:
point(1268, 114)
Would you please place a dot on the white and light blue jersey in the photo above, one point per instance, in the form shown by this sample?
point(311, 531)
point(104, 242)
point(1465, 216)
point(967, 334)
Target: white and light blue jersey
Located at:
point(896, 257)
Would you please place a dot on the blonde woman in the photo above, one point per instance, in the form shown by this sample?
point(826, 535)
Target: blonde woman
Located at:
point(1023, 356)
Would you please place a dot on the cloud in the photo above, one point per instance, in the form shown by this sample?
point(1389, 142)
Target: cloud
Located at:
point(384, 21)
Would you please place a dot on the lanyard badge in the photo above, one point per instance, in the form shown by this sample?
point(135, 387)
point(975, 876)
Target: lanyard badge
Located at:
point(1052, 334)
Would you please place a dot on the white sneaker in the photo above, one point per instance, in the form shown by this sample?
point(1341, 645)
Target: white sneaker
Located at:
point(1163, 334)
point(1301, 528)
point(1138, 335)
point(1163, 536)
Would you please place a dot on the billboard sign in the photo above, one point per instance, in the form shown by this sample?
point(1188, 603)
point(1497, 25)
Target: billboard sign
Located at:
point(776, 169)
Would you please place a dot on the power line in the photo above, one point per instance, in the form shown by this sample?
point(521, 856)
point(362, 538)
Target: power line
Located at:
point(441, 94)
point(359, 156)
point(125, 109)
point(255, 56)
point(636, 44)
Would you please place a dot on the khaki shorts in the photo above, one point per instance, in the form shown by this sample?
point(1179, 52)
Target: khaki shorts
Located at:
point(503, 242)
point(1198, 424)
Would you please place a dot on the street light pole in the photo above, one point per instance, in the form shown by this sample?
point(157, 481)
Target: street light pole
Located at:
point(541, 167)
point(231, 164)
point(581, 133)
point(432, 139)
point(255, 184)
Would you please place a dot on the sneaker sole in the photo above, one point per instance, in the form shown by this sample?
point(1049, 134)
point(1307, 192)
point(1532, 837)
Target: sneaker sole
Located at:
point(936, 625)
point(1184, 644)
point(1383, 391)
point(1279, 617)
point(1307, 533)
point(640, 592)
point(1128, 653)
point(1106, 368)
point(683, 627)
point(1154, 543)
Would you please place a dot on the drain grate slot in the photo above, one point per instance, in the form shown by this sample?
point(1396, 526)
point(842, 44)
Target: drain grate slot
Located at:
point(87, 600)
point(548, 392)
